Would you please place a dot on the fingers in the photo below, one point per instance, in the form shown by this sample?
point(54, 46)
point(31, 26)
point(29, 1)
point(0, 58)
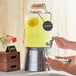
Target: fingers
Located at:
point(57, 38)
point(61, 42)
point(55, 64)
point(48, 62)
point(51, 61)
point(58, 57)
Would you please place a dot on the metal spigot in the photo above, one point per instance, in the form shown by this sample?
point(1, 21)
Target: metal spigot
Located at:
point(50, 43)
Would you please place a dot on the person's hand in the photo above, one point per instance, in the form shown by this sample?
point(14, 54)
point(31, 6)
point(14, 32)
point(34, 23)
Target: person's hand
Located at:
point(61, 42)
point(55, 64)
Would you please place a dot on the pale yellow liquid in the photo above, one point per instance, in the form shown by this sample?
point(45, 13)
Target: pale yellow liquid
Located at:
point(36, 36)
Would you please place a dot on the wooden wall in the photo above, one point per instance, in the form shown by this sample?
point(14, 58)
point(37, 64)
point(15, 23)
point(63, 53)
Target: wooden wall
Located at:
point(12, 22)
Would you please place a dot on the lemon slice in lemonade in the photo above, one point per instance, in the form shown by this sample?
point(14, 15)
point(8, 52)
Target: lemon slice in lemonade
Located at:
point(33, 22)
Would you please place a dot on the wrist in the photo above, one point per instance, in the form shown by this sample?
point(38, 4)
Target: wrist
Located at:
point(72, 45)
point(65, 66)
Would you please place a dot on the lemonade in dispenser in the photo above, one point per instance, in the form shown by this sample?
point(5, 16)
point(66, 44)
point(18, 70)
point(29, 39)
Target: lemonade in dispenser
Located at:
point(38, 26)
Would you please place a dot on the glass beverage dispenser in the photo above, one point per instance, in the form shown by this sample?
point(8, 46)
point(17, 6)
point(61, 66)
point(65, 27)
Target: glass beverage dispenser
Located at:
point(38, 28)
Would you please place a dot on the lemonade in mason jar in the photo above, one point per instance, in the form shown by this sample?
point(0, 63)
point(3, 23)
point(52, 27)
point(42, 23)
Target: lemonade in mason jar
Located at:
point(37, 33)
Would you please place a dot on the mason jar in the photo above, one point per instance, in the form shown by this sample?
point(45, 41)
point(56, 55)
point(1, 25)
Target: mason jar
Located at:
point(38, 26)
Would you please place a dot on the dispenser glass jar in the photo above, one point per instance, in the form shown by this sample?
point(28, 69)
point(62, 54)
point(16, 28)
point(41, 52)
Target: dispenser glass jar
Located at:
point(37, 34)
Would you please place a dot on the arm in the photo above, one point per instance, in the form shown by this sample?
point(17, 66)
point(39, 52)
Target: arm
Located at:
point(72, 45)
point(65, 44)
point(70, 68)
point(60, 66)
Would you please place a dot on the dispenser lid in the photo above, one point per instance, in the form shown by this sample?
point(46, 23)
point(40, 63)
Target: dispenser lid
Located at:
point(38, 6)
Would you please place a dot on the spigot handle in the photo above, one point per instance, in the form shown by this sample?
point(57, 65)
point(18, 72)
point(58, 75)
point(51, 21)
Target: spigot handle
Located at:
point(50, 43)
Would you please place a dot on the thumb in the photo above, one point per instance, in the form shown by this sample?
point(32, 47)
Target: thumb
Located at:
point(58, 57)
point(50, 60)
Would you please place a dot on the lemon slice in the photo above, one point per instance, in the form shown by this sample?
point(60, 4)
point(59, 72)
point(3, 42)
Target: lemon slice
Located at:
point(33, 22)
